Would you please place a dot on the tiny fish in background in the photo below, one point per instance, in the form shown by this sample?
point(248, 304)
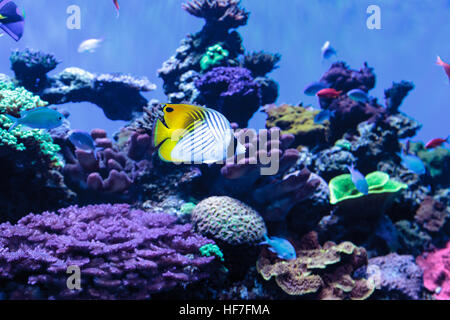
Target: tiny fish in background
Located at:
point(90, 45)
point(314, 87)
point(327, 50)
point(323, 116)
point(437, 142)
point(186, 133)
point(329, 93)
point(281, 247)
point(11, 21)
point(359, 180)
point(116, 5)
point(445, 65)
point(82, 140)
point(358, 95)
point(39, 118)
point(412, 163)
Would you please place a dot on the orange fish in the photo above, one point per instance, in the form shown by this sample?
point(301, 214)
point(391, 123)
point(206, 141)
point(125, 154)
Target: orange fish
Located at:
point(437, 142)
point(445, 65)
point(328, 93)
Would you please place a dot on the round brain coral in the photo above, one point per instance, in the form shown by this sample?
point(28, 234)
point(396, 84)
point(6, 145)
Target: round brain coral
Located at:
point(228, 220)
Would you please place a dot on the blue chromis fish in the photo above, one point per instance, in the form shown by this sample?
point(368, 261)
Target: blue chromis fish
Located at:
point(327, 50)
point(90, 45)
point(358, 95)
point(82, 140)
point(314, 87)
point(412, 163)
point(38, 118)
point(323, 116)
point(281, 247)
point(192, 134)
point(358, 180)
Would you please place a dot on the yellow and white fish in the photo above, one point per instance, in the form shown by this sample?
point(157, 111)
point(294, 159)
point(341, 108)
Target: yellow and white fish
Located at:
point(192, 134)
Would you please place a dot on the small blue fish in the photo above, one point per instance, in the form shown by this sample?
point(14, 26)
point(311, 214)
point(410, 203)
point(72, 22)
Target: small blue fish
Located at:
point(38, 118)
point(413, 163)
point(82, 140)
point(359, 180)
point(328, 51)
point(323, 116)
point(358, 95)
point(314, 87)
point(281, 247)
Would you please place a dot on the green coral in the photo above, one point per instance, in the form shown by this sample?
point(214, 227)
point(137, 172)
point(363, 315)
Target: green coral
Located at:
point(213, 56)
point(298, 121)
point(437, 161)
point(342, 187)
point(187, 208)
point(210, 249)
point(13, 101)
point(343, 144)
point(323, 272)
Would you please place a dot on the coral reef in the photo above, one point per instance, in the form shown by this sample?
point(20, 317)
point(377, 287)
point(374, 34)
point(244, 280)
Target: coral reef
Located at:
point(122, 254)
point(436, 272)
point(396, 277)
point(228, 220)
point(394, 96)
point(236, 85)
point(437, 162)
point(29, 159)
point(298, 121)
point(119, 95)
point(324, 272)
point(227, 89)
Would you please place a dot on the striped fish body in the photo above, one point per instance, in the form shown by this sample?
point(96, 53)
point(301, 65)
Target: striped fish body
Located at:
point(192, 134)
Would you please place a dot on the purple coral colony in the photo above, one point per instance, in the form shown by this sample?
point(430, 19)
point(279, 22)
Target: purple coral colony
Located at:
point(137, 227)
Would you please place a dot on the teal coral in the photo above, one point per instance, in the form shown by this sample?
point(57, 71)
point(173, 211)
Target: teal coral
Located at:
point(13, 101)
point(342, 188)
point(343, 144)
point(213, 57)
point(210, 249)
point(437, 161)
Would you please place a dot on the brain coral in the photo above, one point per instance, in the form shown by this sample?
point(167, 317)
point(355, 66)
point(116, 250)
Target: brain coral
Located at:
point(228, 220)
point(121, 253)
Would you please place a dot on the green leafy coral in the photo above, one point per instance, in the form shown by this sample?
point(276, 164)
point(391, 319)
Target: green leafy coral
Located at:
point(38, 145)
point(213, 56)
point(342, 187)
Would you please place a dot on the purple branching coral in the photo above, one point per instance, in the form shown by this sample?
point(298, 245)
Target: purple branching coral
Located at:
point(121, 253)
point(218, 14)
point(232, 91)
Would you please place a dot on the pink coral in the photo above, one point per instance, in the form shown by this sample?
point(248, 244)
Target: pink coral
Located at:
point(436, 272)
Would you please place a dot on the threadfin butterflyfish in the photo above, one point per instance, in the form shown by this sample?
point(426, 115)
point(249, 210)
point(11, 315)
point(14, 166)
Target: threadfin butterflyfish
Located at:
point(192, 134)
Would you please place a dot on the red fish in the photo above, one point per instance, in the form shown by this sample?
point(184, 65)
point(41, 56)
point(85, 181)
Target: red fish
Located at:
point(116, 4)
point(434, 143)
point(445, 65)
point(328, 93)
